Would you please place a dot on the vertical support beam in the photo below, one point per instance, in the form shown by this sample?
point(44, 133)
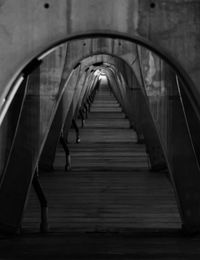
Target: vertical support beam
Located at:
point(82, 118)
point(144, 124)
point(76, 130)
point(44, 227)
point(83, 89)
point(67, 153)
point(10, 126)
point(48, 153)
point(20, 168)
point(67, 121)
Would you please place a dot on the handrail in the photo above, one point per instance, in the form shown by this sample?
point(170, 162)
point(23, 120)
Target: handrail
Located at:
point(6, 101)
point(194, 143)
point(9, 97)
point(185, 116)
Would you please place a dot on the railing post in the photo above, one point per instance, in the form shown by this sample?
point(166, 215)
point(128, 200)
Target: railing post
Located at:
point(86, 110)
point(67, 153)
point(82, 118)
point(77, 131)
point(44, 227)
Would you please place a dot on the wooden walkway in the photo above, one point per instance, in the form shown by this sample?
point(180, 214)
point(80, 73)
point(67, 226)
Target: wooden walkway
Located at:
point(110, 187)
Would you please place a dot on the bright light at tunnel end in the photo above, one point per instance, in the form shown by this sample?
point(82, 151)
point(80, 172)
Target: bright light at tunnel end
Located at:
point(97, 72)
point(102, 77)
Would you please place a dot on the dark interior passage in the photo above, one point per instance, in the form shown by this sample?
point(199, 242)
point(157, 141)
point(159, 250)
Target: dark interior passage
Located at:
point(110, 187)
point(132, 191)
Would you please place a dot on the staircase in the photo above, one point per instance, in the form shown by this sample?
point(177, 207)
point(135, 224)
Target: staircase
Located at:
point(110, 187)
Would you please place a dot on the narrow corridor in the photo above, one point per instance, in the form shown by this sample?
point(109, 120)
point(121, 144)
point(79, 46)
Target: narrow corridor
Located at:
point(110, 187)
point(99, 130)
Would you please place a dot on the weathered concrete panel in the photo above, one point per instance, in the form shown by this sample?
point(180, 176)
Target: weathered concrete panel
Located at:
point(26, 26)
point(175, 26)
point(102, 45)
point(29, 26)
point(108, 15)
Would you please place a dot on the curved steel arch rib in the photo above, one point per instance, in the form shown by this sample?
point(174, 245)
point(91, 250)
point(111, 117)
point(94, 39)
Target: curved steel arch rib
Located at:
point(184, 183)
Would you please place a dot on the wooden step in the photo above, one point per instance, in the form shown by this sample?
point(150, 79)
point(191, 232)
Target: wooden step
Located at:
point(110, 187)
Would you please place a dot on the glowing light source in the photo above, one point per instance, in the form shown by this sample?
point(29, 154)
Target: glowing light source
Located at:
point(97, 72)
point(102, 77)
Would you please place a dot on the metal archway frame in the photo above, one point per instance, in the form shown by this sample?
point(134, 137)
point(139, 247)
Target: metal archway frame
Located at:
point(193, 221)
point(35, 61)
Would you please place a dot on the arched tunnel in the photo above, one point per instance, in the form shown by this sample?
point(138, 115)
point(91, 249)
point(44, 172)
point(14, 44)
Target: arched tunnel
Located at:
point(99, 136)
point(55, 90)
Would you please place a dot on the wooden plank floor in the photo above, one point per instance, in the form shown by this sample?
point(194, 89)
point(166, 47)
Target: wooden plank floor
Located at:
point(101, 246)
point(110, 187)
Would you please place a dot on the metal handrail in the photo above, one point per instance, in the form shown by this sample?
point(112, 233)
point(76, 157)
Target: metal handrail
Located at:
point(9, 97)
point(186, 118)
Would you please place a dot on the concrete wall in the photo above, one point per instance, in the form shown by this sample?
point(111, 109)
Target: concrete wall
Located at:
point(27, 27)
point(158, 78)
